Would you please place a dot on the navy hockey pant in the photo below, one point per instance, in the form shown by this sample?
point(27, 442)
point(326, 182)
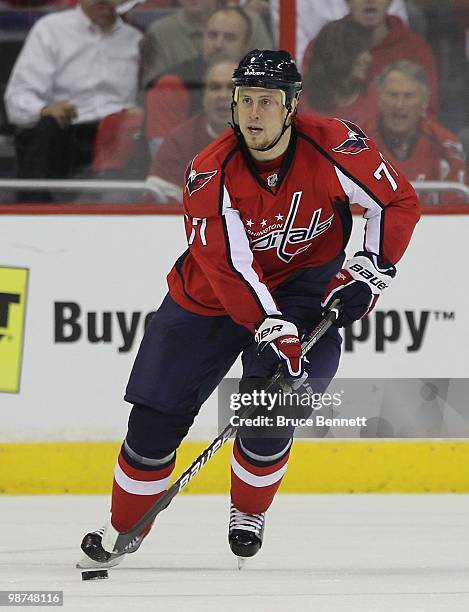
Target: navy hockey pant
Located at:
point(182, 359)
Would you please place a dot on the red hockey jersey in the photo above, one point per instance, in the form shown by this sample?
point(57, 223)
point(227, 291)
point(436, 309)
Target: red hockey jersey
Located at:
point(246, 235)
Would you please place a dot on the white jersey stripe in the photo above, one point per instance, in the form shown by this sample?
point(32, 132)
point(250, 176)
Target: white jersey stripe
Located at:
point(139, 487)
point(253, 479)
point(373, 213)
point(242, 258)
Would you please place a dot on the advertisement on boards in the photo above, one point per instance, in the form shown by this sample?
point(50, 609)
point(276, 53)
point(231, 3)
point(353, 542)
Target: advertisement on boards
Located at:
point(13, 294)
point(95, 282)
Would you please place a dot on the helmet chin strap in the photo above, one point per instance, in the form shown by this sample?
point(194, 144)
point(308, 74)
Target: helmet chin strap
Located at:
point(282, 132)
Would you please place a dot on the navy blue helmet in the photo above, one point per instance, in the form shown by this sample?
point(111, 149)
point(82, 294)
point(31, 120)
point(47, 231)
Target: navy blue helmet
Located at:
point(270, 70)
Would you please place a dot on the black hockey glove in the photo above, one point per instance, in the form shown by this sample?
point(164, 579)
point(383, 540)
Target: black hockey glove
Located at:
point(358, 285)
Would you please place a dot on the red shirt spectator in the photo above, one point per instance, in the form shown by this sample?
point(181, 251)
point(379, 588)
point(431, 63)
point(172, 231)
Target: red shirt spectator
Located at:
point(422, 148)
point(335, 82)
point(359, 111)
point(399, 42)
point(435, 154)
point(177, 96)
point(182, 145)
point(185, 141)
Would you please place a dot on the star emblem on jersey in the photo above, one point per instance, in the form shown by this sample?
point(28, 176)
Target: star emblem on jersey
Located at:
point(279, 217)
point(264, 222)
point(355, 142)
point(196, 180)
point(249, 223)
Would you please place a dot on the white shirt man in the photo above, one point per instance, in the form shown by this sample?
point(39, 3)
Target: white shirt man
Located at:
point(79, 56)
point(76, 67)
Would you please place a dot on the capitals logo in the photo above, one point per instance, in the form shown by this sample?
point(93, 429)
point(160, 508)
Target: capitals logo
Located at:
point(355, 143)
point(290, 241)
point(196, 180)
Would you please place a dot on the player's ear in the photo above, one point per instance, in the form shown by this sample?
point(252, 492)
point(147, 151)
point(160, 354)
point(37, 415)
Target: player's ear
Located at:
point(234, 112)
point(293, 109)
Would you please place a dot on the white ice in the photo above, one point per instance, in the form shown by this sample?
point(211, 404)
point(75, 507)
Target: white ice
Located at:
point(324, 553)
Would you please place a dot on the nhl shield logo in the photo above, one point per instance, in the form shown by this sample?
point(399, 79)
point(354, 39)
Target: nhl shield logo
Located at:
point(272, 180)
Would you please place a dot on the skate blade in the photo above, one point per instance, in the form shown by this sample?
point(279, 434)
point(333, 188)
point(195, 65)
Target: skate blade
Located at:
point(241, 563)
point(86, 563)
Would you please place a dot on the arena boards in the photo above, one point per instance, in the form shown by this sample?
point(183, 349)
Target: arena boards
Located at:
point(92, 282)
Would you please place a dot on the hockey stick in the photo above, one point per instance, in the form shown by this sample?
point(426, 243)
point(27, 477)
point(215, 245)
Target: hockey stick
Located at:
point(117, 541)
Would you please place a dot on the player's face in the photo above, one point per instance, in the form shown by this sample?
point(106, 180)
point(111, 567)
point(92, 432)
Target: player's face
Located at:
point(369, 13)
point(402, 102)
point(261, 114)
point(217, 95)
point(225, 36)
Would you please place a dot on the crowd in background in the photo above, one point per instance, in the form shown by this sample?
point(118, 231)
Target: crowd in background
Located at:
point(133, 90)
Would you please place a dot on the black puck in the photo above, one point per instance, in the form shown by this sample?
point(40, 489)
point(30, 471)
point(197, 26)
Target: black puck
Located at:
point(95, 575)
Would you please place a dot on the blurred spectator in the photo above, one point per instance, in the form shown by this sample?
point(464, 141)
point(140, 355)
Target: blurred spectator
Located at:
point(391, 40)
point(422, 148)
point(448, 34)
point(184, 142)
point(174, 39)
point(262, 7)
point(314, 14)
point(177, 38)
point(76, 67)
point(177, 96)
point(335, 81)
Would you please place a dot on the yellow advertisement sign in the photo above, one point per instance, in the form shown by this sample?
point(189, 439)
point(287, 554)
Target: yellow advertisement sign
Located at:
point(13, 290)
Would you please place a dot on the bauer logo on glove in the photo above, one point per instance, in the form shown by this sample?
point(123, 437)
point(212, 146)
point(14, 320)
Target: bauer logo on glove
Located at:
point(358, 286)
point(267, 331)
point(282, 337)
point(371, 278)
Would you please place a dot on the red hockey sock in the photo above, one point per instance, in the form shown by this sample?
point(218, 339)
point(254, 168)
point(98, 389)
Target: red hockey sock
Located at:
point(253, 485)
point(134, 491)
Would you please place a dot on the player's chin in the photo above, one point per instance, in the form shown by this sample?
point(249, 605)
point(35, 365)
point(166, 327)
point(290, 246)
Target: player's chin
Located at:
point(254, 142)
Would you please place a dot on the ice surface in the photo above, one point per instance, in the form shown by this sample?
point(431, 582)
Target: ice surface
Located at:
point(328, 553)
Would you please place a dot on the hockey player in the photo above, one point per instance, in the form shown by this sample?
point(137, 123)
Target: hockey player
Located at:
point(267, 219)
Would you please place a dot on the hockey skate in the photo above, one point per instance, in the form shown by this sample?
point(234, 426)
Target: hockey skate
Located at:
point(96, 557)
point(245, 533)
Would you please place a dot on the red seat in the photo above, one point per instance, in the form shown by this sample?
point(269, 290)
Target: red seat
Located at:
point(116, 140)
point(168, 104)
